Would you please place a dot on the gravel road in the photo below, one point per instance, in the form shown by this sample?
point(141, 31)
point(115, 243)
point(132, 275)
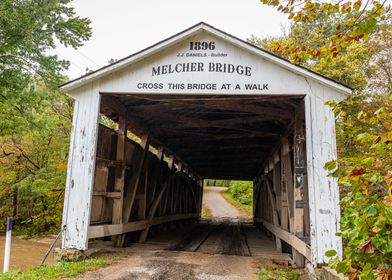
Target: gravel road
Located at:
point(218, 205)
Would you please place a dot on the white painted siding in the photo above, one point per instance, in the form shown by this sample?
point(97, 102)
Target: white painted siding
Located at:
point(323, 190)
point(81, 164)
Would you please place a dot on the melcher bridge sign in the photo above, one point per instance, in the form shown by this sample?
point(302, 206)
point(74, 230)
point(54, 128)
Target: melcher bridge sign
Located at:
point(202, 59)
point(222, 108)
point(205, 64)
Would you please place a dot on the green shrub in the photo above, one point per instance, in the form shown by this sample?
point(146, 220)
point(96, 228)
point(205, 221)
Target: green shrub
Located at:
point(242, 191)
point(277, 273)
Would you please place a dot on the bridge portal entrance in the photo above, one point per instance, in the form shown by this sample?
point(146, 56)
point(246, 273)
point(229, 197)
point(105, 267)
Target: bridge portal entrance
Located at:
point(202, 104)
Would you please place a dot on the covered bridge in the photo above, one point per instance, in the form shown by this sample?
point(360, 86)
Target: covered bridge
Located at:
point(202, 104)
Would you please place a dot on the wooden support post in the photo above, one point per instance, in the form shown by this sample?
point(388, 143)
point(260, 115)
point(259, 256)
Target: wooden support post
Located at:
point(277, 183)
point(288, 180)
point(299, 170)
point(100, 186)
point(157, 201)
point(254, 198)
point(299, 181)
point(201, 186)
point(323, 190)
point(120, 172)
point(171, 162)
point(80, 172)
point(132, 188)
point(284, 203)
point(143, 200)
point(306, 207)
point(158, 172)
point(260, 202)
point(275, 217)
point(180, 166)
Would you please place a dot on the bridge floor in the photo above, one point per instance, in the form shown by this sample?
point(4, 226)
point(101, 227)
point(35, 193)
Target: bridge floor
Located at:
point(220, 236)
point(222, 249)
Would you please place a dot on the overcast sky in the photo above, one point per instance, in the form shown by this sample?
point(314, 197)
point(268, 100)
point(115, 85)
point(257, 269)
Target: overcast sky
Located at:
point(122, 27)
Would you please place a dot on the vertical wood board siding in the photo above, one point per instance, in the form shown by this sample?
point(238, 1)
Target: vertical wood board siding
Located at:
point(80, 173)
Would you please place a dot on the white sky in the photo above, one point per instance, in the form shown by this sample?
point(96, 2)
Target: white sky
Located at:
point(122, 27)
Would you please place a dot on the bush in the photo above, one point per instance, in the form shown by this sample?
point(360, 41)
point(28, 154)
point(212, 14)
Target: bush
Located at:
point(242, 191)
point(365, 178)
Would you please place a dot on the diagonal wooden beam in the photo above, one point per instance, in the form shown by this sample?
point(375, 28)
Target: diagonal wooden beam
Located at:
point(129, 198)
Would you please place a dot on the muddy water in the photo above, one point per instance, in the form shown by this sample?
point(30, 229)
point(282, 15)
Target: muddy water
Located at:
point(25, 253)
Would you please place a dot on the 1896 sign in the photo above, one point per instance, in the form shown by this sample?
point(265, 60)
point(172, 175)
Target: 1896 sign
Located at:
point(202, 46)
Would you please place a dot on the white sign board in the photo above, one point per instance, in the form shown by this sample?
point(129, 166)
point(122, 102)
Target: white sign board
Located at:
point(205, 64)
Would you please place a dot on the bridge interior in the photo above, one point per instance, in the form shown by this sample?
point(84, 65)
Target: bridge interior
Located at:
point(151, 163)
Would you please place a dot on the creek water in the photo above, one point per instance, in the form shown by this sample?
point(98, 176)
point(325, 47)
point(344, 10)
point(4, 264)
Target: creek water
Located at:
point(25, 253)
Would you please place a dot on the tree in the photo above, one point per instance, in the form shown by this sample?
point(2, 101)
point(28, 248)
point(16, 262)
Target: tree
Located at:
point(33, 166)
point(29, 31)
point(353, 65)
point(352, 21)
point(35, 118)
point(364, 127)
point(365, 178)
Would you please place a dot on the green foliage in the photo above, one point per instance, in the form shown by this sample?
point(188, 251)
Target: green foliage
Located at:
point(277, 273)
point(35, 118)
point(60, 271)
point(364, 126)
point(349, 21)
point(354, 65)
point(216, 183)
point(248, 209)
point(364, 173)
point(33, 167)
point(28, 33)
point(242, 191)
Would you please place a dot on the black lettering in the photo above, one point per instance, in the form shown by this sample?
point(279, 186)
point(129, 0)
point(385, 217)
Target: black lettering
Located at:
point(211, 67)
point(247, 71)
point(202, 86)
point(178, 67)
point(185, 67)
point(193, 67)
point(240, 69)
point(156, 71)
point(164, 69)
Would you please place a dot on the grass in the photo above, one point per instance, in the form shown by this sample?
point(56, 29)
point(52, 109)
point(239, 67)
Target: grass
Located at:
point(59, 271)
point(248, 209)
point(277, 273)
point(205, 213)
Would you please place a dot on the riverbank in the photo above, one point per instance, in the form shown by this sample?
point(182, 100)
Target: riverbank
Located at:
point(60, 270)
point(28, 253)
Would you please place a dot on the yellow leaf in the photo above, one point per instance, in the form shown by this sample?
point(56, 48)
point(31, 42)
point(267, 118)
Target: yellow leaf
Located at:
point(61, 166)
point(357, 5)
point(378, 163)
